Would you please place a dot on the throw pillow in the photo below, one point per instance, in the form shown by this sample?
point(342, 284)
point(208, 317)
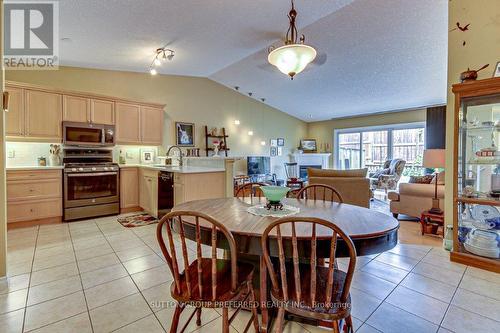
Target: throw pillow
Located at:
point(421, 179)
point(381, 172)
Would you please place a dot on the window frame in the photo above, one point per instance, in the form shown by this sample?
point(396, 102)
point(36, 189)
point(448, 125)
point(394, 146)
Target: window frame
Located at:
point(389, 128)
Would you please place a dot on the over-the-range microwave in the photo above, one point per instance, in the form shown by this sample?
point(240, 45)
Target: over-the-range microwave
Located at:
point(88, 134)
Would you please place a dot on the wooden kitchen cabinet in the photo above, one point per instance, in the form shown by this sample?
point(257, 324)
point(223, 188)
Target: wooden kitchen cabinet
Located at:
point(88, 110)
point(43, 115)
point(33, 196)
point(14, 118)
point(198, 186)
point(128, 126)
point(151, 125)
point(102, 111)
point(129, 188)
point(76, 108)
point(148, 191)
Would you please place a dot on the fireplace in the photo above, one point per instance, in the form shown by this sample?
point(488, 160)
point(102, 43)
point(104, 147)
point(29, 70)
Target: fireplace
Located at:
point(303, 170)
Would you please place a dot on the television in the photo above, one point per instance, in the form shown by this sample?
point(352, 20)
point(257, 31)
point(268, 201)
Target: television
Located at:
point(258, 165)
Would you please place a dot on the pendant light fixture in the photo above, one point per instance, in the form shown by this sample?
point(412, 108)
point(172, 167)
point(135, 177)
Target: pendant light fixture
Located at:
point(294, 56)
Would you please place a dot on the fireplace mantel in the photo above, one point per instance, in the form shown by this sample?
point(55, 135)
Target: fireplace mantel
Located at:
point(308, 159)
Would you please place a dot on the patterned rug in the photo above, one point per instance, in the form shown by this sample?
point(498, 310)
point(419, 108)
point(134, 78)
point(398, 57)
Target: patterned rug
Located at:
point(137, 220)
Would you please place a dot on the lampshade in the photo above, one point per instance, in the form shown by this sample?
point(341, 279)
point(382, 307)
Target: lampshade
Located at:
point(292, 59)
point(434, 158)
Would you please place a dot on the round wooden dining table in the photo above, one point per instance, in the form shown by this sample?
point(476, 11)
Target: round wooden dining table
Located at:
point(372, 232)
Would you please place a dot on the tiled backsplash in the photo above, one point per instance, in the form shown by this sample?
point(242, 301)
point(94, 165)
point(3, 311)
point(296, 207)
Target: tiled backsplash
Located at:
point(27, 153)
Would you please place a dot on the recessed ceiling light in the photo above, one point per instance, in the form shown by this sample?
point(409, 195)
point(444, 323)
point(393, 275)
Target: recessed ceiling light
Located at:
point(236, 122)
point(250, 133)
point(263, 143)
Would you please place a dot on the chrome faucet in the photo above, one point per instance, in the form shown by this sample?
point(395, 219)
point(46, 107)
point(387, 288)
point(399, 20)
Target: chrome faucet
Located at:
point(180, 153)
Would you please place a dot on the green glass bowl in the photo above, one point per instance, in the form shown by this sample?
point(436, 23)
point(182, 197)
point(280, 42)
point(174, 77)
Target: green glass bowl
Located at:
point(274, 193)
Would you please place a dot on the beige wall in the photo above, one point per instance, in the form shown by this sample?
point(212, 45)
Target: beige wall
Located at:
point(482, 47)
point(323, 131)
point(189, 99)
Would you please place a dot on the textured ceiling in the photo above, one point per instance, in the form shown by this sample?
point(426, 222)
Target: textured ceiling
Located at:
point(380, 55)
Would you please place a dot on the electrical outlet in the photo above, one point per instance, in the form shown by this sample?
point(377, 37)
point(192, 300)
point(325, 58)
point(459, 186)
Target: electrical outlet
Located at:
point(11, 154)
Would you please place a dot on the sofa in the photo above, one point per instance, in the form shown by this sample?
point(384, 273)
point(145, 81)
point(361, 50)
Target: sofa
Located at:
point(351, 184)
point(413, 198)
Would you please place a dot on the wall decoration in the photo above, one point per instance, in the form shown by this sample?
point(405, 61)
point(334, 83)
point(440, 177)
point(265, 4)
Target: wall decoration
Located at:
point(147, 156)
point(274, 151)
point(281, 142)
point(184, 134)
point(280, 151)
point(496, 72)
point(308, 145)
point(460, 28)
point(471, 75)
point(273, 142)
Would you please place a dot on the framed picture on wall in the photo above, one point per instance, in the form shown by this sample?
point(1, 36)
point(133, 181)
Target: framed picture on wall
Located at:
point(308, 145)
point(496, 73)
point(281, 142)
point(147, 156)
point(274, 151)
point(184, 134)
point(273, 142)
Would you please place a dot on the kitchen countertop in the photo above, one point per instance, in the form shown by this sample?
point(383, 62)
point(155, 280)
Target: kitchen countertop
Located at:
point(175, 169)
point(34, 167)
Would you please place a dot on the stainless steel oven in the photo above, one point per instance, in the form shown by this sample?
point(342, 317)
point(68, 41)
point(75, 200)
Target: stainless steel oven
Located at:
point(91, 184)
point(88, 134)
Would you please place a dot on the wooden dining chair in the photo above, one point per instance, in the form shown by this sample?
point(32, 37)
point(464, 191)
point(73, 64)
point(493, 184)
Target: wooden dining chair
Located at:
point(308, 289)
point(320, 192)
point(250, 190)
point(206, 281)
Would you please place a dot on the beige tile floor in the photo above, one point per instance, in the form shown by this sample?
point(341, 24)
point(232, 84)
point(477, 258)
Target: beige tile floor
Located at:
point(97, 276)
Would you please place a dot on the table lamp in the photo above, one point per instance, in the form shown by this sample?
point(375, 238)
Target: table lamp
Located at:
point(434, 158)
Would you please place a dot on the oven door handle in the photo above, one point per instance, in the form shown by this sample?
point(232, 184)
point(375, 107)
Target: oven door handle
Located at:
point(91, 174)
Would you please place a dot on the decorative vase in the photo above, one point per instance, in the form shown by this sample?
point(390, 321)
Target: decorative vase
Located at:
point(448, 238)
point(216, 150)
point(54, 160)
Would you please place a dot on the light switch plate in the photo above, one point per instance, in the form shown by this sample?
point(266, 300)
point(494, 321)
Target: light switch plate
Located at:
point(11, 154)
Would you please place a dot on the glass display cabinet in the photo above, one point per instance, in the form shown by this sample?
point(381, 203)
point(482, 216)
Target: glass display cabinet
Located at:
point(476, 173)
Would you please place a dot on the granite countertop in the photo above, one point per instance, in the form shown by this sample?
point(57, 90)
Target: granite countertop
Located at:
point(35, 167)
point(175, 169)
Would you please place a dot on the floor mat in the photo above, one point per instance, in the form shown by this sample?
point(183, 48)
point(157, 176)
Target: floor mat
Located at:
point(137, 220)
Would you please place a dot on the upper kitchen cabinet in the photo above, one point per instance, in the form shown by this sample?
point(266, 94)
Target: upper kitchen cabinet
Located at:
point(76, 108)
point(128, 127)
point(43, 112)
point(138, 124)
point(102, 111)
point(14, 118)
point(88, 110)
point(151, 125)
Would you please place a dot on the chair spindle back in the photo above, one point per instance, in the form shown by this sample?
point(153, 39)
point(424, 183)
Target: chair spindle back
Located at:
point(250, 190)
point(210, 225)
point(320, 192)
point(290, 222)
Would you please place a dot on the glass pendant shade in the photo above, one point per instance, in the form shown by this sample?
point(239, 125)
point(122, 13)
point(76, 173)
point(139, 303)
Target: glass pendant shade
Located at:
point(292, 59)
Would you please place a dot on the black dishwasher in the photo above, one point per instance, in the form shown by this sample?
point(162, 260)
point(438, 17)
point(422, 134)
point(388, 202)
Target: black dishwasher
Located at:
point(165, 192)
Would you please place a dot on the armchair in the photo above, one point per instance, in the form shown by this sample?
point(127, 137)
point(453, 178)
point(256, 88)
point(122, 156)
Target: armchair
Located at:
point(388, 177)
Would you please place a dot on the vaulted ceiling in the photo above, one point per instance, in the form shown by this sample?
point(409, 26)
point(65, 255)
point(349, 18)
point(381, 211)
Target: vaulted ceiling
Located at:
point(374, 55)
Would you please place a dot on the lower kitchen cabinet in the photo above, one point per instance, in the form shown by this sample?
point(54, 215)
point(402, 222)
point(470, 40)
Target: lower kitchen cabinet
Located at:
point(148, 191)
point(198, 186)
point(129, 188)
point(34, 195)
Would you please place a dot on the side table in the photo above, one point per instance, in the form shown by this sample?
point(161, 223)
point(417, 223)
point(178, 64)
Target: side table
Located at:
point(432, 223)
